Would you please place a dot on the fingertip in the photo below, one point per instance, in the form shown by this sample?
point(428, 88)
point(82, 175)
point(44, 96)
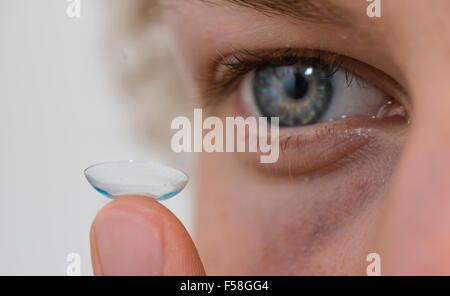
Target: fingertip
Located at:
point(136, 235)
point(95, 258)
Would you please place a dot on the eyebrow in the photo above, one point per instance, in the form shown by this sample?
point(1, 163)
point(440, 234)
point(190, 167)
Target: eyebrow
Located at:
point(314, 11)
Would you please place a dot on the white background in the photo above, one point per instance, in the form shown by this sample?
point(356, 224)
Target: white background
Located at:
point(60, 111)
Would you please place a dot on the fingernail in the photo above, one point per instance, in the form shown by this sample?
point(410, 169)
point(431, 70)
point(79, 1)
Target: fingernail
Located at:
point(128, 243)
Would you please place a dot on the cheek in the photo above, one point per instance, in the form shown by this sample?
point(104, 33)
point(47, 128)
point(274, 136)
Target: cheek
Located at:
point(251, 223)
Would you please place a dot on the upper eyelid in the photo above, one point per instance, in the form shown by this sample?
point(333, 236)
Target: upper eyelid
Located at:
point(229, 70)
point(287, 58)
point(233, 66)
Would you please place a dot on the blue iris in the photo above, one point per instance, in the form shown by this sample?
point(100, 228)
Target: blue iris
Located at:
point(298, 94)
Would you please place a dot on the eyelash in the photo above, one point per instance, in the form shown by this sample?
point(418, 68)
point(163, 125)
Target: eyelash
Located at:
point(232, 68)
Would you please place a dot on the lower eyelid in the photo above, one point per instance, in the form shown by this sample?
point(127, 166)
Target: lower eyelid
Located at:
point(323, 147)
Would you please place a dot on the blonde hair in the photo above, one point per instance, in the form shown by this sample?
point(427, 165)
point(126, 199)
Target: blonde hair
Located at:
point(151, 74)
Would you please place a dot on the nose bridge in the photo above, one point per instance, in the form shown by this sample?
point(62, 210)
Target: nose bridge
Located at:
point(415, 232)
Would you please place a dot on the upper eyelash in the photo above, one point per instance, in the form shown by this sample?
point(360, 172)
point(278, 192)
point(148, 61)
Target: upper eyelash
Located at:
point(235, 66)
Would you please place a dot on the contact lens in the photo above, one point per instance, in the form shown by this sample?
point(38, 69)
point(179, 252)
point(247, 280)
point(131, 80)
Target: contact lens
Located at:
point(145, 178)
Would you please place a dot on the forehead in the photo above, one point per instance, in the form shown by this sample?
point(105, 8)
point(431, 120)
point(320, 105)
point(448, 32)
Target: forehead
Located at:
point(206, 27)
point(320, 11)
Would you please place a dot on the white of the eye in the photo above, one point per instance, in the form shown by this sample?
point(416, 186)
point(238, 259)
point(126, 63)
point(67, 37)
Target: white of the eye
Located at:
point(247, 96)
point(360, 98)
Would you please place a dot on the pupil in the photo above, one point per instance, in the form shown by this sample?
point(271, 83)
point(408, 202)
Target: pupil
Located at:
point(296, 86)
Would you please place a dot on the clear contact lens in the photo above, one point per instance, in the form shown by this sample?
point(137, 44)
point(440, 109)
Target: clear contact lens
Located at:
point(116, 179)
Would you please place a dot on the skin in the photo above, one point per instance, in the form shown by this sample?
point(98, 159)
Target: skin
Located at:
point(313, 213)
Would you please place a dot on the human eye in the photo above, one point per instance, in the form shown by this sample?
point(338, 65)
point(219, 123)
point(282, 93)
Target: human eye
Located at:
point(328, 105)
point(309, 92)
point(308, 87)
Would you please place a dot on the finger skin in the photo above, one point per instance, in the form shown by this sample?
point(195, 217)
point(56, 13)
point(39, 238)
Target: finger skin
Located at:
point(179, 255)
